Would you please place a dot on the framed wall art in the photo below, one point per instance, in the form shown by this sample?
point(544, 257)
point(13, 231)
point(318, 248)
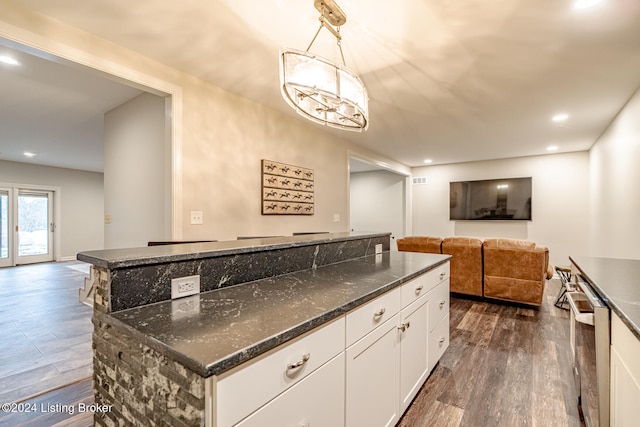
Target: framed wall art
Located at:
point(286, 189)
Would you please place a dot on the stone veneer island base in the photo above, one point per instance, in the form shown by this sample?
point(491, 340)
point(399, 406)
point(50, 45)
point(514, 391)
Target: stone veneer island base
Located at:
point(155, 359)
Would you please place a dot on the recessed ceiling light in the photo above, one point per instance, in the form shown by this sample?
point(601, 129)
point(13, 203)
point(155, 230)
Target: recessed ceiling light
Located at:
point(560, 117)
point(29, 154)
point(8, 60)
point(552, 148)
point(428, 161)
point(585, 4)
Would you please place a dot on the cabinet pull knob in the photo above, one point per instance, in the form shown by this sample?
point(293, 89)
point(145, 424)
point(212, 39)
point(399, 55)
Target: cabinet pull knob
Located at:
point(442, 275)
point(299, 363)
point(442, 303)
point(379, 312)
point(403, 327)
point(441, 341)
point(419, 289)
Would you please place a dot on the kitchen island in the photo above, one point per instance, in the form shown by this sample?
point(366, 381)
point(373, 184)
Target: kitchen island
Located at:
point(617, 282)
point(209, 358)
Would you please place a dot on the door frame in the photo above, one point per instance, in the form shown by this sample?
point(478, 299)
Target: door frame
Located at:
point(389, 166)
point(8, 262)
point(57, 217)
point(51, 226)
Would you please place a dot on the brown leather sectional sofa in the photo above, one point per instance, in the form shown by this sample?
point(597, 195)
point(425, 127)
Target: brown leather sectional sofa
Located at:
point(505, 269)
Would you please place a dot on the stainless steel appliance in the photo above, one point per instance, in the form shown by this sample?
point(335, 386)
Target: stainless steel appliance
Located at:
point(590, 334)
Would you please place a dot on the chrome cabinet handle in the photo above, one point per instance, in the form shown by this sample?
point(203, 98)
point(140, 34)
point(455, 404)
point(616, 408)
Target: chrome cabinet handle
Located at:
point(441, 341)
point(299, 363)
point(379, 313)
point(442, 303)
point(419, 289)
point(404, 326)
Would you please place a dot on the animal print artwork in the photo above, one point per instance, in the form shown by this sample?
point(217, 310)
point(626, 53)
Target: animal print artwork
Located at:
point(286, 189)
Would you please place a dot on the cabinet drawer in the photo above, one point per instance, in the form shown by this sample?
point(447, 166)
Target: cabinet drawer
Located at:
point(238, 395)
point(414, 289)
point(317, 400)
point(436, 276)
point(366, 318)
point(438, 341)
point(438, 303)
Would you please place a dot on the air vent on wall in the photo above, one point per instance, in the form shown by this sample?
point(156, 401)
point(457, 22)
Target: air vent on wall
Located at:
point(419, 180)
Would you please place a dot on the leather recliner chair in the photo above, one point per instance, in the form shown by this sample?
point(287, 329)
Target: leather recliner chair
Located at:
point(515, 270)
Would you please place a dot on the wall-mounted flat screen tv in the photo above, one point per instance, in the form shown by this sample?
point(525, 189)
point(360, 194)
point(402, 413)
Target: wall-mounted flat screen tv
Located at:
point(490, 199)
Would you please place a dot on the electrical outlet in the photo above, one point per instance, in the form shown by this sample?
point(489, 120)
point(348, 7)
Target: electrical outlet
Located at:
point(379, 248)
point(185, 286)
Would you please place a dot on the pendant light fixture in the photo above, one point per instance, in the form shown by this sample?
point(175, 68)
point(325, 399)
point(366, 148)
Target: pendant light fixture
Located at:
point(319, 89)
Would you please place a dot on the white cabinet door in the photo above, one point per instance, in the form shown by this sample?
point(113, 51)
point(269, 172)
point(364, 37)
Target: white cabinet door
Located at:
point(372, 378)
point(414, 357)
point(316, 401)
point(438, 342)
point(625, 374)
point(625, 393)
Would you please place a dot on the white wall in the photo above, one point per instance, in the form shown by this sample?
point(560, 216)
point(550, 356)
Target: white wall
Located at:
point(560, 202)
point(134, 173)
point(614, 228)
point(80, 224)
point(377, 201)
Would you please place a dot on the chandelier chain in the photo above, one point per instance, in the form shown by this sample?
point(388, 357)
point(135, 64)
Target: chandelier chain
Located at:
point(316, 36)
point(339, 41)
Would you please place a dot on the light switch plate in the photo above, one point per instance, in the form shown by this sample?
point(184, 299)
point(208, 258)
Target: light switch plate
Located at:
point(379, 248)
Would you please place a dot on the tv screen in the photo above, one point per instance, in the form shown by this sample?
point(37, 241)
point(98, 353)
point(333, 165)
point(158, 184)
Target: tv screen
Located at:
point(490, 199)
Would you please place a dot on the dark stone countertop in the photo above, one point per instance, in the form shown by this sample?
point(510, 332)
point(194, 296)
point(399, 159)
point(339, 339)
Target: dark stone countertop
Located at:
point(149, 255)
point(214, 331)
point(617, 281)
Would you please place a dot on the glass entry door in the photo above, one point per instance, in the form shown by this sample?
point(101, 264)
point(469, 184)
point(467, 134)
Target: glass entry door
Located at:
point(35, 226)
point(6, 257)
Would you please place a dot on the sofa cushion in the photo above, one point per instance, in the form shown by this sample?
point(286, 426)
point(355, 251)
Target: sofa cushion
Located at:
point(504, 243)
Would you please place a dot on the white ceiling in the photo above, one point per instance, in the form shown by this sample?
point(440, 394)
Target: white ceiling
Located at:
point(54, 111)
point(453, 81)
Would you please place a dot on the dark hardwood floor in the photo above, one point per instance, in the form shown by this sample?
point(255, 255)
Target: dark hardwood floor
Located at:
point(505, 366)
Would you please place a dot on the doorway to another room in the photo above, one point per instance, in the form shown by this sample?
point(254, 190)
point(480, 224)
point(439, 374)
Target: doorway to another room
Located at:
point(378, 199)
point(53, 202)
